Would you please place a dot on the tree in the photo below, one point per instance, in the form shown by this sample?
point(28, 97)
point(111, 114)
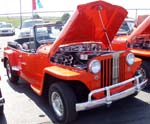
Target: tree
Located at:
point(65, 17)
point(36, 16)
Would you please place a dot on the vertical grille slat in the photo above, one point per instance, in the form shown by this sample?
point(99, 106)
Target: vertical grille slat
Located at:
point(112, 70)
point(102, 74)
point(122, 69)
point(107, 76)
point(106, 72)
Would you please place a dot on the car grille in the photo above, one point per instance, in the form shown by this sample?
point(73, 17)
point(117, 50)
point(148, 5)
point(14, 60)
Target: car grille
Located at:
point(5, 31)
point(112, 70)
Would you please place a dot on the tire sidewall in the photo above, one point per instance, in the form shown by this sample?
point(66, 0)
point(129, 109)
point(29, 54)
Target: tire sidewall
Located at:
point(9, 77)
point(53, 89)
point(1, 109)
point(68, 99)
point(146, 66)
point(13, 77)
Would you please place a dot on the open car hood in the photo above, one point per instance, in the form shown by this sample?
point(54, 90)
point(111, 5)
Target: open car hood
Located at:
point(143, 27)
point(91, 22)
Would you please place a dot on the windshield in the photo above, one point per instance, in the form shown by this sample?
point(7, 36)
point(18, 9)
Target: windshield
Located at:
point(126, 27)
point(29, 24)
point(5, 26)
point(46, 33)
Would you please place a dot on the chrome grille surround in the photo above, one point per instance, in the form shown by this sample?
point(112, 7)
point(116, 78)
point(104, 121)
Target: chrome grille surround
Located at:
point(115, 68)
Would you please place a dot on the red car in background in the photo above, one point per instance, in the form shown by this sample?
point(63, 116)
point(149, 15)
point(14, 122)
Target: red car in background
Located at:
point(124, 31)
point(138, 41)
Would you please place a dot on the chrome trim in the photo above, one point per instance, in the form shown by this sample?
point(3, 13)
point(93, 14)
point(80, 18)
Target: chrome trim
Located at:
point(110, 98)
point(115, 68)
point(112, 52)
point(15, 68)
point(2, 101)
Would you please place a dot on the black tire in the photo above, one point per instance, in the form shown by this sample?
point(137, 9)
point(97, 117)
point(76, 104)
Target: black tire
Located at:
point(143, 70)
point(12, 75)
point(146, 67)
point(67, 97)
point(1, 110)
point(1, 107)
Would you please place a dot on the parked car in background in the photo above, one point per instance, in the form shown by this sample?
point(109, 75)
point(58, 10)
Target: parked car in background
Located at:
point(27, 27)
point(7, 29)
point(124, 31)
point(138, 41)
point(2, 23)
point(126, 27)
point(2, 101)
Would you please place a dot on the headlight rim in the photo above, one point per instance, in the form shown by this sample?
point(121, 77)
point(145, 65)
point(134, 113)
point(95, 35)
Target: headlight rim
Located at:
point(128, 59)
point(90, 66)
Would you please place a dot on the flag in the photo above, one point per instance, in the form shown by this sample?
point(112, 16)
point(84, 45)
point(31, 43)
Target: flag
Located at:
point(33, 4)
point(36, 4)
point(39, 4)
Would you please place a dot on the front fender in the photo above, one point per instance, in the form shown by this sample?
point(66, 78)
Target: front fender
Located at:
point(62, 73)
point(87, 78)
point(135, 66)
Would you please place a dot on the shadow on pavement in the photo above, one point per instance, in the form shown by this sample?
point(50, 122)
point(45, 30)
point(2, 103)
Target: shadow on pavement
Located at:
point(147, 89)
point(125, 111)
point(40, 101)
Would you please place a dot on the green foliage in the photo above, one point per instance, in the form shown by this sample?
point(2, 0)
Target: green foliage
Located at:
point(36, 16)
point(16, 20)
point(65, 17)
point(13, 20)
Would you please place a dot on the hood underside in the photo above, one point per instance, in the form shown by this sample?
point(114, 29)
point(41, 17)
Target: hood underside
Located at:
point(143, 27)
point(92, 22)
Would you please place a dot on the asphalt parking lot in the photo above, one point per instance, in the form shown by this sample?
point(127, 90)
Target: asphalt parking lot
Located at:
point(23, 106)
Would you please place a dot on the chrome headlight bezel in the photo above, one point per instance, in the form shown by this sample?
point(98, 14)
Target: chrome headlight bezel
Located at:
point(130, 59)
point(95, 66)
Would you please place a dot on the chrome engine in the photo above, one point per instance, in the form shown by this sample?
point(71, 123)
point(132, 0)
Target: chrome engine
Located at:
point(142, 43)
point(78, 55)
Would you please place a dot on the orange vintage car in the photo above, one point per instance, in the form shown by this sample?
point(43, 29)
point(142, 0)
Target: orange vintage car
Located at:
point(138, 42)
point(78, 69)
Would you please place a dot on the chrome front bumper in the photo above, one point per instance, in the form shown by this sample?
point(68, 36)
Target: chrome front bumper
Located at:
point(110, 98)
point(2, 101)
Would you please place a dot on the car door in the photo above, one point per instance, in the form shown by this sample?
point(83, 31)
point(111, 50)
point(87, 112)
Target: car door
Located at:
point(28, 66)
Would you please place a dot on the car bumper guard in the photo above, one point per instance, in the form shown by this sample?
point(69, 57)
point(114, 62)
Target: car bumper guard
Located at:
point(110, 98)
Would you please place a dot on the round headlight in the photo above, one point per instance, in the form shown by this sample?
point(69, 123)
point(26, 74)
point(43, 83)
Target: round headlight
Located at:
point(95, 66)
point(130, 58)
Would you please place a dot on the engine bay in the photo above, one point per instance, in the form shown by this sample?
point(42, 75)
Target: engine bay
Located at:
point(78, 55)
point(142, 42)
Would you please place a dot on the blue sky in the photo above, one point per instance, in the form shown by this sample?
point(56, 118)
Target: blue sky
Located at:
point(13, 6)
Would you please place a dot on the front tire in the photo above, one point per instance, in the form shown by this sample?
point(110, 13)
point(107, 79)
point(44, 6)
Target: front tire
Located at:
point(1, 107)
point(12, 75)
point(143, 70)
point(146, 66)
point(62, 101)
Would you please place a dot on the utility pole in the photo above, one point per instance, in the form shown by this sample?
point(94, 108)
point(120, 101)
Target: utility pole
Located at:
point(20, 14)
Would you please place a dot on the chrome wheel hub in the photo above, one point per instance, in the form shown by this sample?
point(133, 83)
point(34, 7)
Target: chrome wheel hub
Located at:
point(8, 70)
point(57, 104)
point(142, 72)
